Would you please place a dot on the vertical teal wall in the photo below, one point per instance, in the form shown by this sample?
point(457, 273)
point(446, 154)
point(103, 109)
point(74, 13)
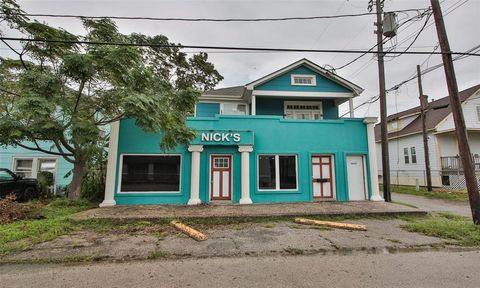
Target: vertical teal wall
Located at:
point(63, 167)
point(275, 106)
point(272, 135)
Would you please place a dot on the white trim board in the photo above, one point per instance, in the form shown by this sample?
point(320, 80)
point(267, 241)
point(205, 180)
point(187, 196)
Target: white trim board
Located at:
point(274, 93)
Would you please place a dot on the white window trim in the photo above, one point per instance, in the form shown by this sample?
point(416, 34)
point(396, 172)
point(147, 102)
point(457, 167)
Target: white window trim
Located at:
point(277, 173)
point(286, 103)
point(247, 109)
point(311, 76)
point(120, 175)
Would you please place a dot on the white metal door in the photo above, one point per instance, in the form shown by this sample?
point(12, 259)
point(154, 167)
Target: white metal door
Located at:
point(356, 178)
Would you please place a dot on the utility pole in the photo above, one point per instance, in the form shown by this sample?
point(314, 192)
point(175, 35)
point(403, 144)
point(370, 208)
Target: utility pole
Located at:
point(423, 107)
point(460, 129)
point(383, 100)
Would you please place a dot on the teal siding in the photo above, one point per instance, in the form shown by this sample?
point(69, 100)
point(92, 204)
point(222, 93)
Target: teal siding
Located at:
point(275, 106)
point(284, 83)
point(207, 109)
point(8, 153)
point(273, 135)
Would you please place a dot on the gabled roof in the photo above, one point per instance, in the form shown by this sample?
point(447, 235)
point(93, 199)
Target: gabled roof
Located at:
point(437, 111)
point(357, 90)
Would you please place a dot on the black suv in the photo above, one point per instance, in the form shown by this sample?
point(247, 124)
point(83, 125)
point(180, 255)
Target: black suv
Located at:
point(24, 188)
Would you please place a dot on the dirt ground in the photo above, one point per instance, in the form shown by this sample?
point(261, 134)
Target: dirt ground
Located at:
point(271, 238)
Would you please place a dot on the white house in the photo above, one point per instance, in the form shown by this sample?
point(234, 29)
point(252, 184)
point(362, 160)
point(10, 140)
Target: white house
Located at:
point(407, 161)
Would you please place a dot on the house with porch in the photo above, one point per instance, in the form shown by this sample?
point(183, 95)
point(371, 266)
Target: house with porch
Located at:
point(276, 139)
point(405, 142)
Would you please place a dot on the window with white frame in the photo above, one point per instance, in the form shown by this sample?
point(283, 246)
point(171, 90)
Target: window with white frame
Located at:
point(150, 173)
point(277, 172)
point(233, 109)
point(413, 154)
point(303, 110)
point(24, 167)
point(478, 112)
point(303, 80)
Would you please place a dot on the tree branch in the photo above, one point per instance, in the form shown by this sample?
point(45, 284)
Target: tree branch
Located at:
point(18, 53)
point(59, 148)
point(111, 120)
point(80, 89)
point(41, 150)
point(67, 145)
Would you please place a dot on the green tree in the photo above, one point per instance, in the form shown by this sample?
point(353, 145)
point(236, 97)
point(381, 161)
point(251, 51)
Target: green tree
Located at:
point(64, 93)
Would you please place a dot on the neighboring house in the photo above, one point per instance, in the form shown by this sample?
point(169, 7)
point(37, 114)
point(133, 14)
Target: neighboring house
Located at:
point(407, 161)
point(28, 163)
point(276, 139)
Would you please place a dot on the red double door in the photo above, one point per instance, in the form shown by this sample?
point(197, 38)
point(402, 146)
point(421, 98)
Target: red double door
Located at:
point(322, 179)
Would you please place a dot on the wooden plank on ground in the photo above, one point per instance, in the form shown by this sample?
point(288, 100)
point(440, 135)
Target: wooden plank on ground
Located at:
point(358, 227)
point(189, 231)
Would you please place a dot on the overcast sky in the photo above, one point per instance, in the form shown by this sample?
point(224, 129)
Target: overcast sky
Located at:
point(345, 33)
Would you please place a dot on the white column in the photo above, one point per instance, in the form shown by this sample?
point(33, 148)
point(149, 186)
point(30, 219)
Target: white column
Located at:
point(111, 166)
point(195, 175)
point(350, 106)
point(254, 105)
point(245, 151)
point(372, 158)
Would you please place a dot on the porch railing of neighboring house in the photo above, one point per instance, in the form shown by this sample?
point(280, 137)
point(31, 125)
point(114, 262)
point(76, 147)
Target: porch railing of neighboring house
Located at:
point(454, 163)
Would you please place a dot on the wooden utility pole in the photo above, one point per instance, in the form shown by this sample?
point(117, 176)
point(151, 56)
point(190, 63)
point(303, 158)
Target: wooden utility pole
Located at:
point(460, 129)
point(423, 107)
point(383, 103)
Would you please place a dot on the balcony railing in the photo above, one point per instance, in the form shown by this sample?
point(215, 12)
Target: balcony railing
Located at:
point(454, 163)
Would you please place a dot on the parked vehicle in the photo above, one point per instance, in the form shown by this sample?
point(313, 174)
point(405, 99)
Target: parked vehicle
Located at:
point(23, 188)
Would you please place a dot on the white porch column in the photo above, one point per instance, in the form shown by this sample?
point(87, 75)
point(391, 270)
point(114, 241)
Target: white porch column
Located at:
point(350, 106)
point(195, 175)
point(254, 105)
point(245, 150)
point(372, 158)
point(111, 166)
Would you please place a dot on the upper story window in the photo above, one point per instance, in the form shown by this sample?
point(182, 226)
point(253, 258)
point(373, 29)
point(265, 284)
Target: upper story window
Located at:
point(392, 126)
point(304, 80)
point(303, 110)
point(233, 109)
point(478, 112)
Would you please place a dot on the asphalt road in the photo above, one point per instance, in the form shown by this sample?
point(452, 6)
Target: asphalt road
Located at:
point(422, 269)
point(437, 205)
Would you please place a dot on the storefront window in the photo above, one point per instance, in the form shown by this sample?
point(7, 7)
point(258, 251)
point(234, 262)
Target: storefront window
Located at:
point(266, 168)
point(277, 172)
point(150, 173)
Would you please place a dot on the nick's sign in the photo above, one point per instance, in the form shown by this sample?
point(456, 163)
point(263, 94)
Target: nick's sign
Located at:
point(223, 137)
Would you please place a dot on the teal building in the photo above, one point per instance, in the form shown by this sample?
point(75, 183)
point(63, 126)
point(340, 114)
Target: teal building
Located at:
point(276, 139)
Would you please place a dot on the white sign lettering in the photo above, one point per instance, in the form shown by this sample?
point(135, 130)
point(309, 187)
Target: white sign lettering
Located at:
point(220, 137)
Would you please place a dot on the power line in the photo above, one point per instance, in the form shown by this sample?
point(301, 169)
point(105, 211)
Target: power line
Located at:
point(375, 98)
point(224, 47)
point(206, 19)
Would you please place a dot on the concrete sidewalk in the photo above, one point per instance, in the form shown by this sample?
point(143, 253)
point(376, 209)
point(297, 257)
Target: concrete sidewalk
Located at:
point(257, 210)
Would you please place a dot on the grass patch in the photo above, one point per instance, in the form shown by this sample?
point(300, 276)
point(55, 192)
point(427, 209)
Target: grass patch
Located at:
point(454, 195)
point(55, 221)
point(446, 226)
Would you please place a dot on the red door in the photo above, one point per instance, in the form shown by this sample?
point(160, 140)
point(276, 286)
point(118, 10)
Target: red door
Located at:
point(322, 179)
point(221, 177)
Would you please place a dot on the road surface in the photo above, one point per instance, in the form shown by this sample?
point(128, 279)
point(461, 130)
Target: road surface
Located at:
point(436, 205)
point(421, 269)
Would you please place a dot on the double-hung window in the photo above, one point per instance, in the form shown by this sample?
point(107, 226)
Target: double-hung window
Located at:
point(413, 154)
point(277, 172)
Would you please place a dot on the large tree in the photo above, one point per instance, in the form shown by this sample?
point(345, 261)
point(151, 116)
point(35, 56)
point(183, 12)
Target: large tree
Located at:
point(64, 92)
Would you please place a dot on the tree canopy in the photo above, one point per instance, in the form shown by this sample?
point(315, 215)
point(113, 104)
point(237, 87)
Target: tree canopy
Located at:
point(64, 92)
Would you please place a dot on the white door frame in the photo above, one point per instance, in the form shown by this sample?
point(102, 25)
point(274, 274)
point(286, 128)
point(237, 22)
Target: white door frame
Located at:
point(365, 183)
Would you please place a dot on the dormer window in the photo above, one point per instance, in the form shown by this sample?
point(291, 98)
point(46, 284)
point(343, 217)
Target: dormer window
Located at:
point(304, 80)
